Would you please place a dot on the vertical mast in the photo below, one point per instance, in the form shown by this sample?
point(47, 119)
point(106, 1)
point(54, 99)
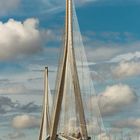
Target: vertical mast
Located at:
point(68, 52)
point(76, 84)
point(47, 99)
point(61, 83)
point(45, 122)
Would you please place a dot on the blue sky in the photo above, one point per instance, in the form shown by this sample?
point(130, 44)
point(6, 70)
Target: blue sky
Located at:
point(30, 38)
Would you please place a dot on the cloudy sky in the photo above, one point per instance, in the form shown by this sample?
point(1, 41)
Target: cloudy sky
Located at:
point(30, 39)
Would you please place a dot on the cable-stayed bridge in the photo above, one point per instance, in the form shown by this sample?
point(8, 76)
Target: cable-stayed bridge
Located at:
point(71, 115)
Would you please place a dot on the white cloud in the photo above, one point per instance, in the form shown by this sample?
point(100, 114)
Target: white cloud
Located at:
point(18, 39)
point(25, 121)
point(103, 136)
point(54, 6)
point(52, 35)
point(16, 135)
point(101, 53)
point(13, 106)
point(113, 99)
point(124, 69)
point(111, 51)
point(8, 5)
point(126, 56)
point(128, 123)
point(115, 130)
point(14, 90)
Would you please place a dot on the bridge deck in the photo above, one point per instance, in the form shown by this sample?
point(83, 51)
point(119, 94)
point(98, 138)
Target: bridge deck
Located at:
point(61, 137)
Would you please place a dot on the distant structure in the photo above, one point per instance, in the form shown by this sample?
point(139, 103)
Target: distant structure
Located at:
point(68, 94)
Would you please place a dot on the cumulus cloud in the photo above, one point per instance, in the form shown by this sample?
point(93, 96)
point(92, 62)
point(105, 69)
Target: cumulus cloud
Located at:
point(127, 56)
point(16, 135)
point(115, 130)
point(13, 90)
point(124, 69)
point(25, 121)
point(8, 5)
point(30, 107)
point(127, 123)
point(112, 51)
point(103, 136)
point(19, 38)
point(7, 106)
point(18, 89)
point(52, 35)
point(102, 52)
point(4, 81)
point(113, 99)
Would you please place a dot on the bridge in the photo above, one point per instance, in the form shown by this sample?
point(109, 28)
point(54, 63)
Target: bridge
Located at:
point(71, 117)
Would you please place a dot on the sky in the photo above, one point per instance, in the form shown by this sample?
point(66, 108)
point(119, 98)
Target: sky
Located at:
point(30, 39)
